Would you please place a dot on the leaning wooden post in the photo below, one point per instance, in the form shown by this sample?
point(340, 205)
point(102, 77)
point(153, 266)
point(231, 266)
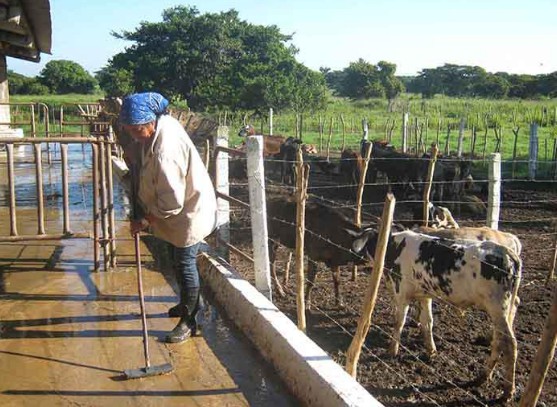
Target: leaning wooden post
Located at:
point(359, 198)
point(427, 189)
point(494, 191)
point(364, 322)
point(533, 151)
point(222, 186)
point(543, 358)
point(258, 212)
point(302, 172)
point(404, 132)
point(553, 263)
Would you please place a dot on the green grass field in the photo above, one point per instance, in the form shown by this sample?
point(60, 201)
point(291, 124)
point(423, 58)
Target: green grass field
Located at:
point(430, 120)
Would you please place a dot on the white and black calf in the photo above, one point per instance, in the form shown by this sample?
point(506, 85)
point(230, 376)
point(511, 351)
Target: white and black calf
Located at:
point(481, 274)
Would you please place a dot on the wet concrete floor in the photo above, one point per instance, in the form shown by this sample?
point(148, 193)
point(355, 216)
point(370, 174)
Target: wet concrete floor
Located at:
point(67, 333)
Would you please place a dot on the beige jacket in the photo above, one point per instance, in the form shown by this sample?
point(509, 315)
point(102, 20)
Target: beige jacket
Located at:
point(175, 187)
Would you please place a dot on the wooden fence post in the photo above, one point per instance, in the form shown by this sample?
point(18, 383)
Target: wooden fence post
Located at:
point(494, 198)
point(359, 198)
point(404, 132)
point(222, 186)
point(329, 139)
point(343, 132)
point(553, 263)
point(543, 358)
point(353, 353)
point(258, 212)
point(427, 189)
point(533, 151)
point(302, 175)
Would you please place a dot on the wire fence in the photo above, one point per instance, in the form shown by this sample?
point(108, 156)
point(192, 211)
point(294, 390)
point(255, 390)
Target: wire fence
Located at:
point(533, 221)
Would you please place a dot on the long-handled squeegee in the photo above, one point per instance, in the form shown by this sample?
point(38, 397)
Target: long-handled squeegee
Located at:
point(148, 370)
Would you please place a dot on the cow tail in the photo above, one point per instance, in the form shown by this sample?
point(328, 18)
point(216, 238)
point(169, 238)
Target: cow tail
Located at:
point(516, 277)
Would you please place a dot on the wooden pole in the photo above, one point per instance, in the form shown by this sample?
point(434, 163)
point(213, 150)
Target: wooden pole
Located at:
point(258, 212)
point(515, 132)
point(427, 189)
point(302, 172)
point(543, 358)
point(353, 353)
point(359, 198)
point(343, 132)
point(270, 121)
point(553, 264)
point(329, 140)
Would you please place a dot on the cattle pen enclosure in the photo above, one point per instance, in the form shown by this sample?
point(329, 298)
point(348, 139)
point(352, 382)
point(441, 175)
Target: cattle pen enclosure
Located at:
point(527, 209)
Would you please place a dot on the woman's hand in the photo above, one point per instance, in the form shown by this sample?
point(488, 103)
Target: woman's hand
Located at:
point(137, 226)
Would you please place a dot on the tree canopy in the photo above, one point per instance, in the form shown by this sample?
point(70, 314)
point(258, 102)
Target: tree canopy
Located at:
point(474, 81)
point(213, 60)
point(62, 77)
point(362, 79)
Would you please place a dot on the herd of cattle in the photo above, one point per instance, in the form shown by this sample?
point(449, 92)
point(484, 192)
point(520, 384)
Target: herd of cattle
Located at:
point(405, 174)
point(463, 266)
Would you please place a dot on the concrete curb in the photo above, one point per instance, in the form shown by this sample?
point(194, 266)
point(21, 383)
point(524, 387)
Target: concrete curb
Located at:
point(311, 375)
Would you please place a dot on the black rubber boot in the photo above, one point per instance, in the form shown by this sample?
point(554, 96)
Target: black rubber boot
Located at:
point(175, 311)
point(187, 326)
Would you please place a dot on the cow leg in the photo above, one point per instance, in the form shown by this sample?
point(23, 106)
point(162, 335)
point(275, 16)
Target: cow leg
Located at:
point(312, 274)
point(336, 284)
point(400, 318)
point(509, 350)
point(426, 322)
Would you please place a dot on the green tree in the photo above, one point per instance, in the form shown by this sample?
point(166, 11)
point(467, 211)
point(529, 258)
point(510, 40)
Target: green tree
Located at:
point(63, 77)
point(23, 85)
point(211, 60)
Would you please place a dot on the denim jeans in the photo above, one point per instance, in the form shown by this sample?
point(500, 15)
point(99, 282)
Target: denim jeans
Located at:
point(185, 266)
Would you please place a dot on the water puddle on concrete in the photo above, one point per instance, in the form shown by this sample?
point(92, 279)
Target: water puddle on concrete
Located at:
point(67, 333)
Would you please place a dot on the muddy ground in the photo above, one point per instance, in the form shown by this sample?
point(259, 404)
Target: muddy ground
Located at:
point(462, 339)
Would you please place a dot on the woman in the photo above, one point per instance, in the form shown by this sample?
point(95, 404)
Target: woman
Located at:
point(176, 194)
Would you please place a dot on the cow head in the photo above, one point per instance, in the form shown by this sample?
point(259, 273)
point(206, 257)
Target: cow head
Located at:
point(441, 217)
point(247, 130)
point(364, 242)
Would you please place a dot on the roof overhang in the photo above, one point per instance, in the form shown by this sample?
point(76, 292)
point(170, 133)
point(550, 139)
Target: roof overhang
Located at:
point(25, 28)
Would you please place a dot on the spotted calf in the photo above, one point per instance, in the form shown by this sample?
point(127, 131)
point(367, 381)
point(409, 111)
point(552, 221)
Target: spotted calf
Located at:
point(482, 274)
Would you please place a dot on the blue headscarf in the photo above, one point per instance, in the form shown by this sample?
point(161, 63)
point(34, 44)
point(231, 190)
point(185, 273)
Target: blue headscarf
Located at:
point(141, 108)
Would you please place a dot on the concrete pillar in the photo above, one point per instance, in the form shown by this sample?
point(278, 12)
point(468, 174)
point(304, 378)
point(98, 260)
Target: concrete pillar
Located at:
point(4, 95)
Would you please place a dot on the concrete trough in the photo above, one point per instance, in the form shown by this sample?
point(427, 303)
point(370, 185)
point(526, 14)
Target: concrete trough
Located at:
point(310, 374)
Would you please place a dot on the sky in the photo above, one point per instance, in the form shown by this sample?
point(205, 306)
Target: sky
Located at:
point(513, 36)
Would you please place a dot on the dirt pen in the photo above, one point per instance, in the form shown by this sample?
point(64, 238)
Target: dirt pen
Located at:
point(523, 206)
